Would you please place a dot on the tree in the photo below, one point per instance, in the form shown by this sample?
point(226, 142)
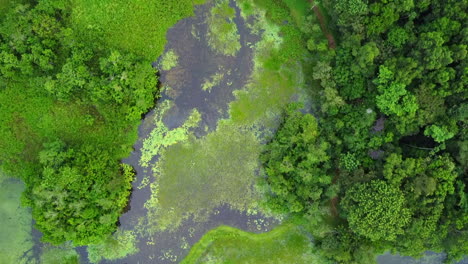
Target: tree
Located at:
point(376, 210)
point(296, 164)
point(394, 98)
point(393, 106)
point(75, 197)
point(439, 133)
point(426, 184)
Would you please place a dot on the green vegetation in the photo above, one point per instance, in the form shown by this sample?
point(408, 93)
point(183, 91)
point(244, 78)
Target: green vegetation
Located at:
point(209, 177)
point(392, 103)
point(117, 246)
point(372, 159)
point(169, 60)
point(162, 137)
point(55, 133)
point(296, 163)
point(222, 35)
point(277, 72)
point(284, 244)
point(72, 96)
point(4, 4)
point(15, 241)
point(137, 26)
point(213, 81)
point(391, 100)
point(221, 167)
point(52, 255)
point(376, 210)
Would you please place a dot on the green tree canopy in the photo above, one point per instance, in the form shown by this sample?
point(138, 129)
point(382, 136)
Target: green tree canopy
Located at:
point(376, 210)
point(296, 164)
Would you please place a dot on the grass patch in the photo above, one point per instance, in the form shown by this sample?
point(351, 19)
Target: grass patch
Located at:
point(34, 119)
point(4, 5)
point(137, 26)
point(298, 9)
point(284, 244)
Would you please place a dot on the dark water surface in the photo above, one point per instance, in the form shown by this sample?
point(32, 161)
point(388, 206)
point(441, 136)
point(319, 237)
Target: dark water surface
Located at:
point(196, 63)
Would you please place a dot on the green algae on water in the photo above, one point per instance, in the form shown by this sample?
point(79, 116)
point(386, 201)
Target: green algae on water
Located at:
point(117, 246)
point(16, 223)
point(169, 60)
point(213, 81)
point(223, 36)
point(59, 255)
point(162, 136)
point(275, 78)
point(198, 175)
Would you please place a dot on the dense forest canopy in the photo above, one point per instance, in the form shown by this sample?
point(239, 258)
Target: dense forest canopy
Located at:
point(68, 112)
point(393, 109)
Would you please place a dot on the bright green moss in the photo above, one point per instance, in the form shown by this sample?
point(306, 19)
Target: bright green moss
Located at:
point(16, 224)
point(223, 36)
point(169, 60)
point(284, 244)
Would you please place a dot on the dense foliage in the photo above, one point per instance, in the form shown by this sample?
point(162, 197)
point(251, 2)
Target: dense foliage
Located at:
point(68, 115)
point(297, 163)
point(392, 104)
point(376, 210)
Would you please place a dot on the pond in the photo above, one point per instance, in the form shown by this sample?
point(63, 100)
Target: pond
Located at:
point(193, 173)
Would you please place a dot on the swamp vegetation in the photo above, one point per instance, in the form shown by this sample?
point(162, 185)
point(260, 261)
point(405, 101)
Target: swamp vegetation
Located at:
point(222, 131)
